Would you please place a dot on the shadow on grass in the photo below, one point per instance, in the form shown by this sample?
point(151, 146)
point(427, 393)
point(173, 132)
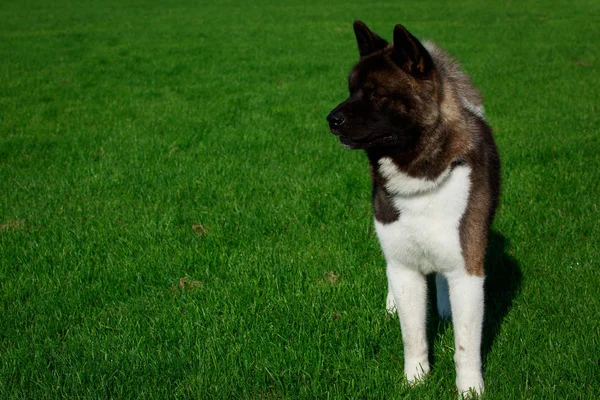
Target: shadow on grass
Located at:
point(502, 284)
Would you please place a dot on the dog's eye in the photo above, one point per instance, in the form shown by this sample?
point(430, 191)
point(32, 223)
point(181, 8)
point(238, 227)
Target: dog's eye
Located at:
point(374, 96)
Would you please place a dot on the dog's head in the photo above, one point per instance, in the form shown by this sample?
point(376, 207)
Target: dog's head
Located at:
point(392, 93)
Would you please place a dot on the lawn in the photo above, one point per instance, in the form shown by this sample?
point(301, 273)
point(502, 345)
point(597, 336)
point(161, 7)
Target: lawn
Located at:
point(176, 220)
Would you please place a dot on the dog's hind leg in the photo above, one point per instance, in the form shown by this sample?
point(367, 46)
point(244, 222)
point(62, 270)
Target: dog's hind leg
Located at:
point(390, 304)
point(442, 297)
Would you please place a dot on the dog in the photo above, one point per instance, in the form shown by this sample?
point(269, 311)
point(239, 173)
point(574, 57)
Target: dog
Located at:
point(435, 171)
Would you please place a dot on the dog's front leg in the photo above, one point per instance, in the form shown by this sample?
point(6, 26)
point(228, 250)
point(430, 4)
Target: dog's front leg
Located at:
point(409, 289)
point(467, 302)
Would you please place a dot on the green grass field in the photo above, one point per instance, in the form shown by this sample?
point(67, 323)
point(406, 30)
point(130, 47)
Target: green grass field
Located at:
point(176, 220)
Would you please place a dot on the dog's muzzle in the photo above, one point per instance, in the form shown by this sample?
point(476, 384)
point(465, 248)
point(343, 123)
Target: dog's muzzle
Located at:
point(335, 119)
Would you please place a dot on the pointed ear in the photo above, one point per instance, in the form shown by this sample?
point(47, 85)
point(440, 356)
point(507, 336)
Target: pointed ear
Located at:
point(409, 53)
point(368, 42)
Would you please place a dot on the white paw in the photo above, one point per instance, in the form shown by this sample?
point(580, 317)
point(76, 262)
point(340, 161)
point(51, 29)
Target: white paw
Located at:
point(415, 371)
point(469, 383)
point(390, 304)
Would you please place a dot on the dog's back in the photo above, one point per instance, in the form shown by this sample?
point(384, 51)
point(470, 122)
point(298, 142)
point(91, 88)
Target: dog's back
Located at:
point(460, 81)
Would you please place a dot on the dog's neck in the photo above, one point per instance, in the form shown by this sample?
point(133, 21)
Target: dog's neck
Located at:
point(428, 158)
point(436, 148)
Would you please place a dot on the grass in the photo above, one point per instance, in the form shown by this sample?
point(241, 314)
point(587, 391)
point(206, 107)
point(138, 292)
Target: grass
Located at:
point(177, 222)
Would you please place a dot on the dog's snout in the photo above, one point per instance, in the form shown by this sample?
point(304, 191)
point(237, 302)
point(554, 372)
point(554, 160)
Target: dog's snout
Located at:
point(336, 119)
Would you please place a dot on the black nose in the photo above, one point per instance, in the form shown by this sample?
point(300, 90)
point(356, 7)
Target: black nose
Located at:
point(336, 119)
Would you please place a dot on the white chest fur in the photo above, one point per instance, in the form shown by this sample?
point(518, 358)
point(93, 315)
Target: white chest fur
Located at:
point(426, 235)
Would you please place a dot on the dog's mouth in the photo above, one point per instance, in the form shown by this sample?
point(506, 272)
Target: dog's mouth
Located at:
point(361, 143)
point(366, 143)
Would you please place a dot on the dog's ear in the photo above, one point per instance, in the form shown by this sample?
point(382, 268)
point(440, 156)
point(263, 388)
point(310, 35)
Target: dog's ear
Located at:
point(368, 42)
point(409, 54)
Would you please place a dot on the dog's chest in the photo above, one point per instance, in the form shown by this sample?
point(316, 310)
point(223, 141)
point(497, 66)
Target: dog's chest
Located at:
point(426, 235)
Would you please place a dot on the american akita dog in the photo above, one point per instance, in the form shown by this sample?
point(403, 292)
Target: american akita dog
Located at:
point(436, 181)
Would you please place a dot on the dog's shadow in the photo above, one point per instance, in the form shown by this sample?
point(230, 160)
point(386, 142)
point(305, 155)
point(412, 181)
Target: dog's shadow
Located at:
point(502, 284)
